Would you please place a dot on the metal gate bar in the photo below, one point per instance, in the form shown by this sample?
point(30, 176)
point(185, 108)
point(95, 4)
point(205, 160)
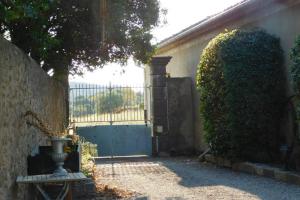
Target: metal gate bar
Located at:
point(93, 104)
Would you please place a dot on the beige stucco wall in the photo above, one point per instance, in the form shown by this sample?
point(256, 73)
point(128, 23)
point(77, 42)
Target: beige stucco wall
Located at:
point(23, 86)
point(279, 19)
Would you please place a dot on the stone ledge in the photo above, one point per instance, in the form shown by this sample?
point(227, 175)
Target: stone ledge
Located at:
point(255, 169)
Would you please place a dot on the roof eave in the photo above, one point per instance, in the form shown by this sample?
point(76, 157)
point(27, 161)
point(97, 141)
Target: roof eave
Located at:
point(220, 19)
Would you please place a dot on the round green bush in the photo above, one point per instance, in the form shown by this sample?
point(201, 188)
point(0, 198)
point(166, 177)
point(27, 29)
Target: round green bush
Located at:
point(241, 83)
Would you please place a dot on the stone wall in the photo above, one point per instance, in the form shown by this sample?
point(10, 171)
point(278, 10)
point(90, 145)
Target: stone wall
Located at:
point(180, 116)
point(279, 18)
point(23, 86)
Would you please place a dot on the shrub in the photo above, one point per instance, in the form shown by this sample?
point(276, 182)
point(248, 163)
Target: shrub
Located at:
point(295, 73)
point(295, 66)
point(241, 83)
point(88, 151)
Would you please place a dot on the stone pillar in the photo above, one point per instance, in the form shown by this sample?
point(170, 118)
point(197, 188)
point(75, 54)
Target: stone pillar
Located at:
point(159, 103)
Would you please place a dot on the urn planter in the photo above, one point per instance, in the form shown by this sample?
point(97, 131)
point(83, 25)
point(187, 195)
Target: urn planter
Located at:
point(58, 155)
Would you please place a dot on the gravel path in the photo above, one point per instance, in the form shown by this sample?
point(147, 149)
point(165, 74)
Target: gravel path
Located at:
point(177, 179)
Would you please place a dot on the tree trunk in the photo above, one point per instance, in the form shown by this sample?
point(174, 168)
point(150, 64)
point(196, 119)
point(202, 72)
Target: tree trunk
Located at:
point(62, 75)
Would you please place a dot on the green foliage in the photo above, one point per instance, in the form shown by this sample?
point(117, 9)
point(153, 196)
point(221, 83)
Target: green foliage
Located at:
point(295, 66)
point(295, 72)
point(65, 35)
point(82, 106)
point(110, 103)
point(115, 101)
point(241, 82)
point(211, 86)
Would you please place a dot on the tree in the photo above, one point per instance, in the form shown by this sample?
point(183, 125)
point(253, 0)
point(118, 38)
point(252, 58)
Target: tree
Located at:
point(68, 36)
point(82, 106)
point(140, 99)
point(128, 95)
point(109, 102)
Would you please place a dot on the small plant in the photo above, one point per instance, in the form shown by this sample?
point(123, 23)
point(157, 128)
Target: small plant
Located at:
point(88, 151)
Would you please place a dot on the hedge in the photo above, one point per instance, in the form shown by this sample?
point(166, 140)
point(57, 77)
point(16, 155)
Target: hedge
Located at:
point(295, 73)
point(295, 66)
point(242, 92)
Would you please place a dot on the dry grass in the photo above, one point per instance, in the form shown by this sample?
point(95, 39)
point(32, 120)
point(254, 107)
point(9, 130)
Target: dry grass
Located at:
point(122, 118)
point(108, 191)
point(101, 191)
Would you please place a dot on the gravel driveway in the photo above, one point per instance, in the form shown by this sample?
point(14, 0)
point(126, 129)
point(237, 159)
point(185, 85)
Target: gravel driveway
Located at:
point(182, 178)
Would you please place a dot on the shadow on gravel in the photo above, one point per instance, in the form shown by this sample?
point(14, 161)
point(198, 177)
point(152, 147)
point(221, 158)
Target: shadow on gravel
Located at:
point(195, 174)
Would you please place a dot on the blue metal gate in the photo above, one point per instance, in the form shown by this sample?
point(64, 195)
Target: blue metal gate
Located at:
point(113, 117)
point(119, 140)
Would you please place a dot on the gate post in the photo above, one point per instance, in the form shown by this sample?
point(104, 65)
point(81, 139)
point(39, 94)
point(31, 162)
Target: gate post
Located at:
point(159, 103)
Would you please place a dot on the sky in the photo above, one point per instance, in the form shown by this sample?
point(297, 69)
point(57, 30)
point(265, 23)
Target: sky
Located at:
point(181, 14)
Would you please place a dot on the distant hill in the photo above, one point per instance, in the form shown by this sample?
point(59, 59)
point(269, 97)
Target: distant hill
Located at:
point(84, 89)
point(84, 85)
